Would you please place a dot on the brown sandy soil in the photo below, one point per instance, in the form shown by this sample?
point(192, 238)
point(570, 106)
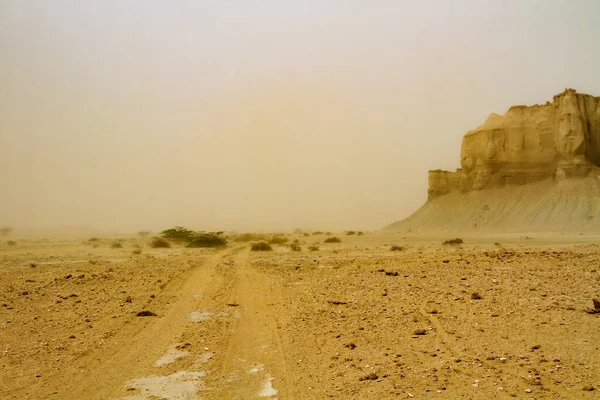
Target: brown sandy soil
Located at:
point(352, 320)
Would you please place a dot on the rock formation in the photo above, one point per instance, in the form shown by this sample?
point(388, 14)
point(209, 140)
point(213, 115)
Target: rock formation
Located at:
point(533, 168)
point(558, 140)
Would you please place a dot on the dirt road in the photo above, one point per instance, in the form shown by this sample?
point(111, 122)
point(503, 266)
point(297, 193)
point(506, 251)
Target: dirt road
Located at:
point(217, 338)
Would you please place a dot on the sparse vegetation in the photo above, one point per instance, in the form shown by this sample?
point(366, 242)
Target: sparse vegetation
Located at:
point(207, 239)
point(333, 239)
point(178, 234)
point(261, 246)
point(278, 240)
point(453, 242)
point(295, 247)
point(158, 243)
point(396, 248)
point(249, 237)
point(116, 245)
point(191, 238)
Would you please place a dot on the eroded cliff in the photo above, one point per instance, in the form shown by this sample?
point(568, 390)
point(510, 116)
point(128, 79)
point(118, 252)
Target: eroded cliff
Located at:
point(558, 140)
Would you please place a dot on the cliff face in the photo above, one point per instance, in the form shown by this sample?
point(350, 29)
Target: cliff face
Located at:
point(557, 141)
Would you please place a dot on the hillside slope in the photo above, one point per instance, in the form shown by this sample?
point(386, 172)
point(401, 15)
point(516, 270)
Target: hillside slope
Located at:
point(569, 205)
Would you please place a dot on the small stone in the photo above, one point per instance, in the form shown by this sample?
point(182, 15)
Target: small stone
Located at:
point(527, 390)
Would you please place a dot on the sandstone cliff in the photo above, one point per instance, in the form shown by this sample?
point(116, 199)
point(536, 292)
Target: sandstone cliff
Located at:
point(556, 141)
point(534, 167)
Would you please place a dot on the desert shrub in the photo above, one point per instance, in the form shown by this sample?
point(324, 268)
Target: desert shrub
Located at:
point(314, 247)
point(333, 239)
point(278, 240)
point(360, 233)
point(317, 233)
point(137, 251)
point(11, 243)
point(261, 246)
point(396, 248)
point(116, 245)
point(94, 239)
point(453, 242)
point(158, 242)
point(248, 237)
point(178, 234)
point(295, 247)
point(350, 233)
point(207, 239)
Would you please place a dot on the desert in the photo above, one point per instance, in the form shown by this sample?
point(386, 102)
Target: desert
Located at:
point(299, 200)
point(498, 316)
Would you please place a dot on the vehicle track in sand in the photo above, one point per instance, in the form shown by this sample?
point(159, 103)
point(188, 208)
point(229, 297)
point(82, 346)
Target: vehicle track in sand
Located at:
point(217, 340)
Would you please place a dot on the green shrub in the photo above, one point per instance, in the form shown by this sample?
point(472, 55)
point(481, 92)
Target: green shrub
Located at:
point(207, 239)
point(178, 234)
point(453, 242)
point(158, 243)
point(333, 239)
point(295, 247)
point(261, 246)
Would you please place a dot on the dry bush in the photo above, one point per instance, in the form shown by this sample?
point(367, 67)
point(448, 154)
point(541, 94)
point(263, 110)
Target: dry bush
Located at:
point(333, 239)
point(248, 237)
point(295, 247)
point(261, 246)
point(159, 243)
point(350, 233)
point(314, 247)
point(278, 240)
point(116, 245)
point(396, 248)
point(453, 242)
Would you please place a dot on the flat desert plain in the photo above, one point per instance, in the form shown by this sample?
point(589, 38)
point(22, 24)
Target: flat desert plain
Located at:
point(500, 316)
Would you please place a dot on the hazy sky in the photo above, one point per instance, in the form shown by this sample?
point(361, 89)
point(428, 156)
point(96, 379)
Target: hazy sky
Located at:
point(129, 115)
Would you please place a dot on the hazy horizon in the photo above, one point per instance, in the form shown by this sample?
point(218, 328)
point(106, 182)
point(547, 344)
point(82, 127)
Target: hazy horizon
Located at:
point(258, 115)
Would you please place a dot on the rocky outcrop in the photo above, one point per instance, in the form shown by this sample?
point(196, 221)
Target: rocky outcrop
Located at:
point(555, 141)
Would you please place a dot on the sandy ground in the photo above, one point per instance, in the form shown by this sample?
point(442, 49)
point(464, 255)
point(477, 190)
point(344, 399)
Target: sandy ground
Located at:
point(353, 320)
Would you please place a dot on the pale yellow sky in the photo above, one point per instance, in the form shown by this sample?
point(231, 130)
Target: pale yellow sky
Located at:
point(261, 115)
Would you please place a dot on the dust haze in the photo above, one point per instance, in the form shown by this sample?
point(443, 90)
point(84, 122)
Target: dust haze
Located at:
point(254, 115)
